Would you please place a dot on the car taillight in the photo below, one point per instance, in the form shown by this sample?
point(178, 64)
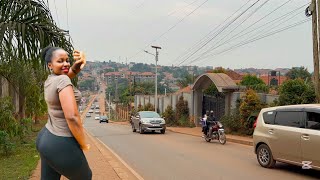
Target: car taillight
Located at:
point(255, 123)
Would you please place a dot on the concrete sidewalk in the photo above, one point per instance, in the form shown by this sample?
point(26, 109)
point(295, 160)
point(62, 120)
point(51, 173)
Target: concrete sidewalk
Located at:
point(102, 161)
point(197, 131)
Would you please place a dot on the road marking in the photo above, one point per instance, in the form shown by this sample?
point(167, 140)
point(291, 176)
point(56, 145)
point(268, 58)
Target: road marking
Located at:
point(137, 175)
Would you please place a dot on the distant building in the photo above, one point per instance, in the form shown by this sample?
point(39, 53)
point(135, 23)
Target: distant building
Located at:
point(137, 76)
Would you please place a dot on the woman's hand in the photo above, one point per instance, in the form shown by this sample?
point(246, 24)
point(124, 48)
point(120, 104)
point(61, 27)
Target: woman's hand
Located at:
point(80, 61)
point(85, 147)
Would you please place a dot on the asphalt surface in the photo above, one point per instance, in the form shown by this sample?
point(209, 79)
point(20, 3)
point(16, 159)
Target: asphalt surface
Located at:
point(176, 156)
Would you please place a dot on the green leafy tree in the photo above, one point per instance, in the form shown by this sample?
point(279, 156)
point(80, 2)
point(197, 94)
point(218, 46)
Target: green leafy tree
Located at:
point(250, 104)
point(296, 91)
point(185, 81)
point(218, 70)
point(26, 27)
point(299, 73)
point(87, 84)
point(253, 82)
point(140, 67)
point(211, 90)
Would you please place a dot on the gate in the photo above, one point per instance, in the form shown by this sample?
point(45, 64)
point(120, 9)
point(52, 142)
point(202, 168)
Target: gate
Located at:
point(215, 103)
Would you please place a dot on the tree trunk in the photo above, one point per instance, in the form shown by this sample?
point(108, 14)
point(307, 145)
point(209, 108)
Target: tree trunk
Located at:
point(22, 100)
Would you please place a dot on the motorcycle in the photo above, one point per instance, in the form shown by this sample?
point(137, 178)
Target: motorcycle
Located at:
point(217, 132)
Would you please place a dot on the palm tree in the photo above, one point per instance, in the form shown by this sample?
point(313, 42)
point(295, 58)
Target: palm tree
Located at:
point(26, 26)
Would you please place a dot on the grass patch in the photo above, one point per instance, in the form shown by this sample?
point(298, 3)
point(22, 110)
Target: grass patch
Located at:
point(24, 159)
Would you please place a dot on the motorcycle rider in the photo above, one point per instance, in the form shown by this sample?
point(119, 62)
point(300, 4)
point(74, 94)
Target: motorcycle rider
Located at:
point(210, 122)
point(204, 124)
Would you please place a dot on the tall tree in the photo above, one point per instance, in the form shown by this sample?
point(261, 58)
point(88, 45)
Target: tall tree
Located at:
point(26, 26)
point(299, 73)
point(296, 92)
point(253, 82)
point(185, 81)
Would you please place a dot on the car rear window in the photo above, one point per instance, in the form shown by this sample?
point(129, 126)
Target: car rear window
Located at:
point(268, 117)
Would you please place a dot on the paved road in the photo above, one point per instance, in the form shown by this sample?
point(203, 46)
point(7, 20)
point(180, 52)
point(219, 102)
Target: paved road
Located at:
point(176, 156)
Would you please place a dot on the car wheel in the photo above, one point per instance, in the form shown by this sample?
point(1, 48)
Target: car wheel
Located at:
point(162, 131)
point(100, 122)
point(107, 121)
point(140, 129)
point(264, 156)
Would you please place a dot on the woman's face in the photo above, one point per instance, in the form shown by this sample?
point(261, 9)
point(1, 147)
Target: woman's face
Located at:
point(60, 62)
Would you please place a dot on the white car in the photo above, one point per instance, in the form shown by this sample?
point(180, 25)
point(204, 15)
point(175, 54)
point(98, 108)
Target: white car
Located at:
point(97, 118)
point(97, 112)
point(88, 115)
point(90, 111)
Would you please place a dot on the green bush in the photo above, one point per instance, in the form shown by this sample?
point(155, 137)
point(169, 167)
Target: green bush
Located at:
point(184, 121)
point(232, 122)
point(169, 116)
point(140, 108)
point(149, 107)
point(6, 146)
point(7, 121)
point(182, 109)
point(24, 128)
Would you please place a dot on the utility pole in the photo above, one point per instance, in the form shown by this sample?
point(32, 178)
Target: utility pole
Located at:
point(313, 9)
point(316, 64)
point(109, 108)
point(156, 79)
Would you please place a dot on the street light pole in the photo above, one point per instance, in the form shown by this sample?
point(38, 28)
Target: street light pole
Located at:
point(109, 106)
point(156, 77)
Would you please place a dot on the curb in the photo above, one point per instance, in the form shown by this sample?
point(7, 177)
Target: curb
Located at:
point(233, 140)
point(118, 171)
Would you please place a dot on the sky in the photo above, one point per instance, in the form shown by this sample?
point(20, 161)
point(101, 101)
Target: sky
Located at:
point(120, 30)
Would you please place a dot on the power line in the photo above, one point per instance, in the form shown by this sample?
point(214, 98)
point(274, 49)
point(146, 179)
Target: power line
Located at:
point(187, 5)
point(172, 27)
point(139, 5)
point(55, 6)
point(281, 18)
point(222, 29)
point(236, 27)
point(259, 38)
point(213, 30)
point(260, 20)
point(67, 15)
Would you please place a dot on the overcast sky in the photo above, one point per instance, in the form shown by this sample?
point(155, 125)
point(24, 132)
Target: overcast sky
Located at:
point(120, 29)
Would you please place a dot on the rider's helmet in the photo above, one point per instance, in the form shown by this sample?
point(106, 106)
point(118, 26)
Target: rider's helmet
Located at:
point(211, 112)
point(207, 113)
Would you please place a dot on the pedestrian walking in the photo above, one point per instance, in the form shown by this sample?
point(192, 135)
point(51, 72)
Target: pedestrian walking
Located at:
point(62, 141)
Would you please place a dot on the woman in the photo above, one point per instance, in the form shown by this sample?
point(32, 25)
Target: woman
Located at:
point(62, 141)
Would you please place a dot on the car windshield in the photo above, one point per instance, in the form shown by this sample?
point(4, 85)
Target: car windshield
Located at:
point(149, 115)
point(104, 117)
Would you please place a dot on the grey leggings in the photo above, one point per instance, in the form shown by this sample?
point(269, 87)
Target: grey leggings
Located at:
point(61, 156)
